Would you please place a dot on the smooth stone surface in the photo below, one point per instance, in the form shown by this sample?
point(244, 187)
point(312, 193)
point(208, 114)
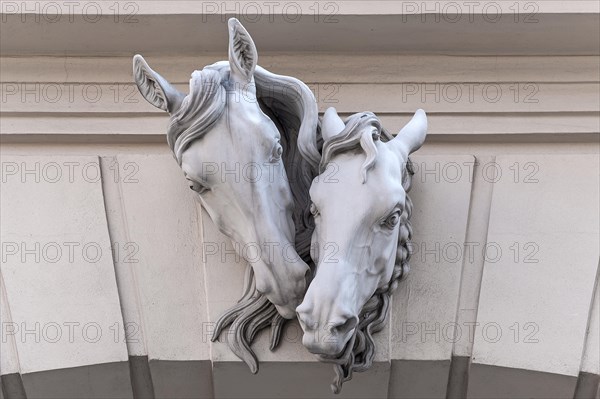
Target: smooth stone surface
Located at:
point(426, 379)
point(165, 256)
point(141, 379)
point(491, 30)
point(494, 382)
point(60, 282)
point(545, 221)
point(182, 379)
point(425, 303)
point(588, 386)
point(591, 354)
point(99, 381)
point(291, 379)
point(12, 386)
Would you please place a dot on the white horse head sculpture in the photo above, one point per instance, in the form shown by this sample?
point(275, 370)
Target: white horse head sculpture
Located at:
point(234, 136)
point(361, 211)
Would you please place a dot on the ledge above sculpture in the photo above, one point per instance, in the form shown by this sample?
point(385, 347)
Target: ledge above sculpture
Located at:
point(167, 28)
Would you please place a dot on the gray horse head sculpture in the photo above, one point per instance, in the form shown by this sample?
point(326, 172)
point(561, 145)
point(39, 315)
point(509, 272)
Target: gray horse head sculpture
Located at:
point(362, 230)
point(234, 136)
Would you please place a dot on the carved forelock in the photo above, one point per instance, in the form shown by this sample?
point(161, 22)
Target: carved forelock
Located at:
point(361, 129)
point(200, 109)
point(360, 350)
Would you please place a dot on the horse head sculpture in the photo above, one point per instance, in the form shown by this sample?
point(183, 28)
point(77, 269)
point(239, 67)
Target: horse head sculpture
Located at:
point(234, 136)
point(362, 230)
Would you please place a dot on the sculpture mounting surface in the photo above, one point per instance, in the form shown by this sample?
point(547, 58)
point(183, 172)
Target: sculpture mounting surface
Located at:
point(236, 115)
point(360, 241)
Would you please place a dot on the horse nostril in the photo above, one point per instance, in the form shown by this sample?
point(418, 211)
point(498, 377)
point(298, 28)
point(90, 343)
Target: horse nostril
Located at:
point(345, 327)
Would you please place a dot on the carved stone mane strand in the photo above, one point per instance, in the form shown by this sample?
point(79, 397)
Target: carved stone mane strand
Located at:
point(286, 101)
point(199, 110)
point(361, 132)
point(356, 132)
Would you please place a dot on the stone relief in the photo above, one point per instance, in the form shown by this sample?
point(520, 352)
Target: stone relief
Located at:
point(239, 113)
point(363, 210)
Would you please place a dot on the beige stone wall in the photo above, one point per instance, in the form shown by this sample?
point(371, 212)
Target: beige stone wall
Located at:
point(110, 281)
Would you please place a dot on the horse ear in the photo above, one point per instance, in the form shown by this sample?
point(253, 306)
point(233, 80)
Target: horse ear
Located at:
point(331, 124)
point(155, 89)
point(242, 52)
point(412, 136)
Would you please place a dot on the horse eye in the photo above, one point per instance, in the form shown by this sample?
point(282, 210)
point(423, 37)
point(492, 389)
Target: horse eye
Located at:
point(277, 152)
point(195, 186)
point(392, 220)
point(313, 209)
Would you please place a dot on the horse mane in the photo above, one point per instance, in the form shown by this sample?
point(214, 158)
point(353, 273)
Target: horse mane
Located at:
point(292, 107)
point(199, 110)
point(363, 128)
point(361, 132)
